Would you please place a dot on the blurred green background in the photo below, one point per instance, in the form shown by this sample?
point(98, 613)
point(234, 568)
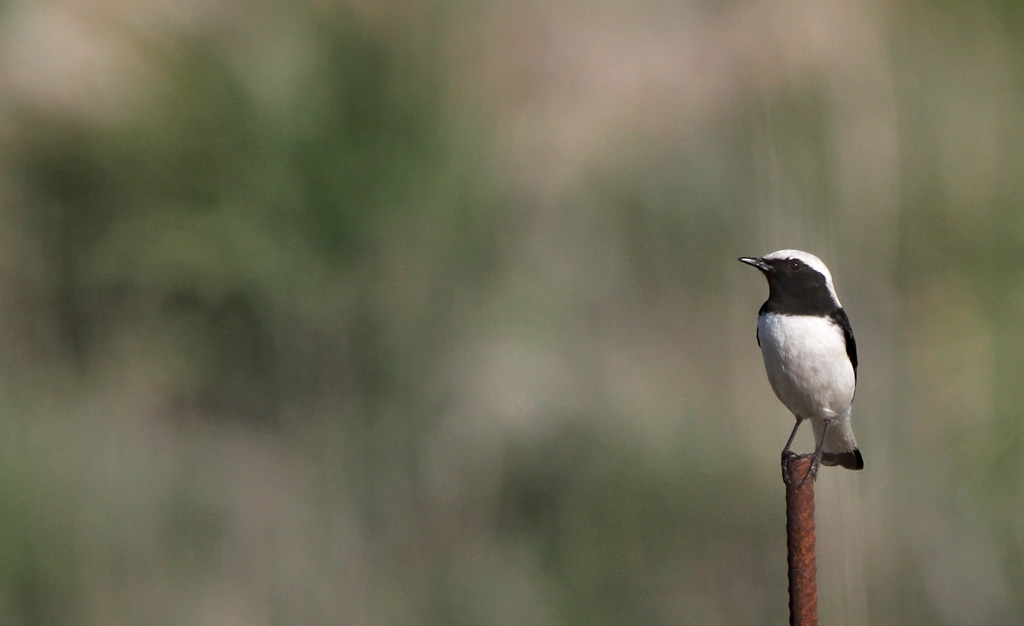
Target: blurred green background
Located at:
point(388, 313)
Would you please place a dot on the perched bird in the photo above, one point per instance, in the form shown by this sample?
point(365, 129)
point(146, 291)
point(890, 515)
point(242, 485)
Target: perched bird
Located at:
point(809, 353)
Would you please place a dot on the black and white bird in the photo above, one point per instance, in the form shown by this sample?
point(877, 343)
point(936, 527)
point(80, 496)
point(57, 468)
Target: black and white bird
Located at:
point(809, 353)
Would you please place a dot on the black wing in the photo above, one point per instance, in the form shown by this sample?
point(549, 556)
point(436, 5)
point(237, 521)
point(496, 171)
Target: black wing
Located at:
point(843, 321)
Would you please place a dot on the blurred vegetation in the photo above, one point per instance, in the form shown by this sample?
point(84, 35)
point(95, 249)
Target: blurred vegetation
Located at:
point(328, 313)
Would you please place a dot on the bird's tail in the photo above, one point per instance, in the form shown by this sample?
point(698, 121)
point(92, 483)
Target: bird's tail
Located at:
point(840, 448)
point(850, 460)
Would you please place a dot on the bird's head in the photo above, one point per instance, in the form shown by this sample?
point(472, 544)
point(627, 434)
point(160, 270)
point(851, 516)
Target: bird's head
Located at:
point(795, 274)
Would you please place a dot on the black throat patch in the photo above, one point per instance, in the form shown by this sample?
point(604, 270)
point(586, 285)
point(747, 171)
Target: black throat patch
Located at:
point(795, 288)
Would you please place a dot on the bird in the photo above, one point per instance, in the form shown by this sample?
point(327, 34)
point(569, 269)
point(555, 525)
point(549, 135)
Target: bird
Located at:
point(810, 355)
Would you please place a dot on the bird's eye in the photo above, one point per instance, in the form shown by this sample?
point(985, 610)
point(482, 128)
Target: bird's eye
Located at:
point(794, 266)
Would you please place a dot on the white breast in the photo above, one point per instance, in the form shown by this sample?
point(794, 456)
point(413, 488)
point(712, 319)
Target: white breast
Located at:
point(808, 368)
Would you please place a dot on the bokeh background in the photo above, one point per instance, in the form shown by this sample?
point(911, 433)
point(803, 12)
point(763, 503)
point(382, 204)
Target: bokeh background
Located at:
point(407, 312)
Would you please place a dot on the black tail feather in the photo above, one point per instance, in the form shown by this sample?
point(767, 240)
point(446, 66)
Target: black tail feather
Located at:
point(850, 460)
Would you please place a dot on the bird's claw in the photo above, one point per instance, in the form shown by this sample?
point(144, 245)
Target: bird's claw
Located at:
point(811, 471)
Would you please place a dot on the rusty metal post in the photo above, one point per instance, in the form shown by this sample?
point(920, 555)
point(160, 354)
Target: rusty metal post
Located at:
point(803, 567)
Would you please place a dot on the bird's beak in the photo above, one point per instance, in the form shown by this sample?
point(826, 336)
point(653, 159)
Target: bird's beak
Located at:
point(758, 263)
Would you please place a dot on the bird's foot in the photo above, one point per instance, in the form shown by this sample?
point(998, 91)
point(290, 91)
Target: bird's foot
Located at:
point(811, 471)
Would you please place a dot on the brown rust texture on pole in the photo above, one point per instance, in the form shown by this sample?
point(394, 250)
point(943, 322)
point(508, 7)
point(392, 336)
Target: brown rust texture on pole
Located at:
point(803, 567)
